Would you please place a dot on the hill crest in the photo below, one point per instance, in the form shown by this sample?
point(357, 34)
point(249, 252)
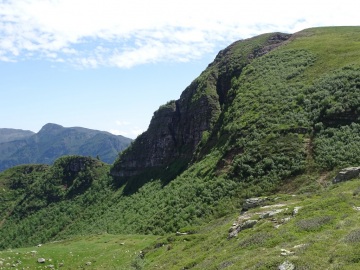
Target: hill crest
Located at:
point(54, 141)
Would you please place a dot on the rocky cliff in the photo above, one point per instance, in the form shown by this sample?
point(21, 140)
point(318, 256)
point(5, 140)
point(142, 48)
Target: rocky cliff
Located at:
point(177, 127)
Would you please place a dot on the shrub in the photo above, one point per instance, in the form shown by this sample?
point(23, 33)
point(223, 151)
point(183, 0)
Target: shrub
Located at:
point(313, 224)
point(353, 237)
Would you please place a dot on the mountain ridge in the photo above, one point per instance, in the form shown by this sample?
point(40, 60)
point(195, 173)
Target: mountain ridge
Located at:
point(53, 140)
point(10, 134)
point(176, 128)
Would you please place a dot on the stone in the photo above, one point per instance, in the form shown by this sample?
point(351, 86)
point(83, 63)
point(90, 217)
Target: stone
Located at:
point(234, 230)
point(347, 174)
point(88, 263)
point(41, 260)
point(299, 246)
point(51, 266)
point(286, 266)
point(253, 202)
point(296, 210)
point(285, 252)
point(271, 213)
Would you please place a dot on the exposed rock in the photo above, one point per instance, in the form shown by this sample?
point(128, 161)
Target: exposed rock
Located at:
point(234, 231)
point(176, 129)
point(285, 252)
point(347, 174)
point(88, 263)
point(300, 246)
point(273, 205)
point(253, 202)
point(286, 266)
point(271, 213)
point(41, 260)
point(296, 210)
point(51, 266)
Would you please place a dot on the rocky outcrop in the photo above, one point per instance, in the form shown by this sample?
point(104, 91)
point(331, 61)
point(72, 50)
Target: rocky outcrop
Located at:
point(253, 202)
point(177, 128)
point(286, 266)
point(234, 230)
point(347, 174)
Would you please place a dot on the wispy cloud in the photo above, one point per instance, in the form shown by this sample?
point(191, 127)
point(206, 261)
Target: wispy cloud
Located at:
point(131, 133)
point(93, 33)
point(126, 129)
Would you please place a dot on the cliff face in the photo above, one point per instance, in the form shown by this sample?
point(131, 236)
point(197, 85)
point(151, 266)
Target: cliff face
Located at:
point(177, 127)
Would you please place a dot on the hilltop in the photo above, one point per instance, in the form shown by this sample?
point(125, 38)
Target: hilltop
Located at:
point(53, 141)
point(273, 116)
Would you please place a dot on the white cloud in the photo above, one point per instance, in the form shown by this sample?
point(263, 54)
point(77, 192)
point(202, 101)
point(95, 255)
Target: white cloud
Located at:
point(122, 123)
point(130, 133)
point(127, 129)
point(124, 33)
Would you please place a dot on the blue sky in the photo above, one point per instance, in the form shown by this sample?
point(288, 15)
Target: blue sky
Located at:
point(109, 64)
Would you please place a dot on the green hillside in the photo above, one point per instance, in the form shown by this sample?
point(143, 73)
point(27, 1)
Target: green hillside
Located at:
point(276, 115)
point(53, 141)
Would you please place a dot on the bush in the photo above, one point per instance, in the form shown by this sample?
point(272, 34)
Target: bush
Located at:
point(353, 237)
point(313, 224)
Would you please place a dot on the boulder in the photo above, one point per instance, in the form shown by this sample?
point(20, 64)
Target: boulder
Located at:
point(347, 174)
point(236, 228)
point(296, 210)
point(253, 202)
point(41, 260)
point(286, 266)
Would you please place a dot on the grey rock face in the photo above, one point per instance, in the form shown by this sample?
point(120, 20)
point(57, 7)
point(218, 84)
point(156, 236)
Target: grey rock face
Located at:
point(253, 202)
point(347, 174)
point(177, 127)
point(234, 231)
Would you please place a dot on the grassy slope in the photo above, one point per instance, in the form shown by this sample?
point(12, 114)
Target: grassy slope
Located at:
point(323, 235)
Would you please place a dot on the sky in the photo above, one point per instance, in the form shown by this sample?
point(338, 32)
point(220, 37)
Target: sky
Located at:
point(109, 64)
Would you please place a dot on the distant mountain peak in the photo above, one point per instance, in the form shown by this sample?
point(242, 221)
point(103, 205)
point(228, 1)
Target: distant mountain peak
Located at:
point(50, 127)
point(54, 141)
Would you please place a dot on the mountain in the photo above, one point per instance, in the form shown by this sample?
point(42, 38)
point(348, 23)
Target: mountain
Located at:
point(9, 134)
point(54, 141)
point(254, 142)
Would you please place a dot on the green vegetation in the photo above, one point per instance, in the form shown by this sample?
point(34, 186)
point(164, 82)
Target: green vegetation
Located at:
point(53, 141)
point(323, 235)
point(285, 121)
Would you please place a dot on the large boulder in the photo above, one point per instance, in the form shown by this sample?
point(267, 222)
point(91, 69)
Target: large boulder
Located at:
point(347, 174)
point(254, 202)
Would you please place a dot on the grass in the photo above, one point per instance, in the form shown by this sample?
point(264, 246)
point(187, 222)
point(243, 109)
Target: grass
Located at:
point(323, 235)
point(104, 251)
